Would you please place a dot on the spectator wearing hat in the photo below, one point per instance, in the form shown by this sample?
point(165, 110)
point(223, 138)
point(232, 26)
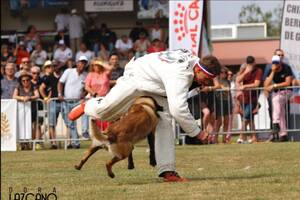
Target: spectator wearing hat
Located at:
point(48, 90)
point(38, 56)
point(62, 54)
point(84, 52)
point(76, 24)
point(280, 53)
point(249, 77)
point(9, 81)
point(97, 82)
point(70, 91)
point(25, 92)
point(98, 79)
point(277, 79)
point(21, 52)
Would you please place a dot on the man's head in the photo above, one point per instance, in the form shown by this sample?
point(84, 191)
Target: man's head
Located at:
point(114, 60)
point(124, 38)
point(81, 63)
point(25, 64)
point(250, 60)
point(207, 69)
point(38, 47)
point(48, 67)
point(280, 53)
point(10, 69)
point(35, 72)
point(83, 47)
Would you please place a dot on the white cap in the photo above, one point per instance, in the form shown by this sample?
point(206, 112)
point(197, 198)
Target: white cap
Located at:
point(47, 63)
point(275, 59)
point(73, 11)
point(21, 43)
point(83, 58)
point(61, 42)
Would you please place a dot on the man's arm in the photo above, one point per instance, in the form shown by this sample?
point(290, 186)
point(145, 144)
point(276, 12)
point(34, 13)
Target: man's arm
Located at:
point(177, 92)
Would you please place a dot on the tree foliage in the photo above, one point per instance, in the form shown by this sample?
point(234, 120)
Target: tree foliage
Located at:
point(252, 13)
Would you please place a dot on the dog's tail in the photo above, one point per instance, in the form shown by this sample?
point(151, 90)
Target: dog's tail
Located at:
point(97, 133)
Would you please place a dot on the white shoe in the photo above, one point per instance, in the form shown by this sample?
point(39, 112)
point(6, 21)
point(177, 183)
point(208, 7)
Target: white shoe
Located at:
point(240, 141)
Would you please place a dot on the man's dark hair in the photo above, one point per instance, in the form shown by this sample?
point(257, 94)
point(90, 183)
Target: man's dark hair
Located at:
point(250, 60)
point(212, 63)
point(113, 54)
point(277, 50)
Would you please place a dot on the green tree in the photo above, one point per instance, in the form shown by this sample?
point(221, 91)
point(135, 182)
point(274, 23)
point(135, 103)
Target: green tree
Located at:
point(252, 13)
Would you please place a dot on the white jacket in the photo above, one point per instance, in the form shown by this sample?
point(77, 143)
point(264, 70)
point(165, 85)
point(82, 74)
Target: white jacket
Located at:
point(170, 74)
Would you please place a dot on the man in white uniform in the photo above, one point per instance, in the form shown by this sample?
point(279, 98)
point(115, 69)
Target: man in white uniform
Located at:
point(166, 76)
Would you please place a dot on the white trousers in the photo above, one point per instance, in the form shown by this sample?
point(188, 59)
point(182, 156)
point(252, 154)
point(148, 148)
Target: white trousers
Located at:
point(117, 102)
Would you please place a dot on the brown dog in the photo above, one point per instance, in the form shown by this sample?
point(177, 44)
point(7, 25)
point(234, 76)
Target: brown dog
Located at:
point(119, 138)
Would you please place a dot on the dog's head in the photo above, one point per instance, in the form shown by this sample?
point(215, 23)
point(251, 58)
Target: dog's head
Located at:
point(151, 102)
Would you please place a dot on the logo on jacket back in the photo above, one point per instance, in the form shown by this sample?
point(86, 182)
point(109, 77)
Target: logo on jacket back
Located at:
point(186, 23)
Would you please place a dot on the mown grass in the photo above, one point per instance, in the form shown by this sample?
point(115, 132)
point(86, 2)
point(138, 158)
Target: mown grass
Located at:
point(256, 171)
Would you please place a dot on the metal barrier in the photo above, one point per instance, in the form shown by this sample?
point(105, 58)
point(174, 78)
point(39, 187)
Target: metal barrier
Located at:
point(233, 104)
point(54, 125)
point(236, 107)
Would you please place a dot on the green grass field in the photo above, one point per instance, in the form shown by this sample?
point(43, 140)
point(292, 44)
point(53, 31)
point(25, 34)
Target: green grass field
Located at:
point(256, 171)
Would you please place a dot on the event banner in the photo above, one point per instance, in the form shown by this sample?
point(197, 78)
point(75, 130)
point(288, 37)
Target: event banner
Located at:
point(290, 43)
point(108, 5)
point(290, 34)
point(185, 21)
point(8, 125)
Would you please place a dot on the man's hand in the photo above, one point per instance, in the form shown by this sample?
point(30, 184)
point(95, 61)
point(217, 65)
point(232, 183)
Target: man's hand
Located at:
point(269, 88)
point(242, 87)
point(202, 136)
point(60, 98)
point(274, 67)
point(26, 98)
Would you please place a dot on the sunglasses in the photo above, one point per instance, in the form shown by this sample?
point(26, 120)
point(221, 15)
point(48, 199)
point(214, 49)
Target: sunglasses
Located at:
point(280, 55)
point(25, 62)
point(25, 80)
point(35, 73)
point(229, 74)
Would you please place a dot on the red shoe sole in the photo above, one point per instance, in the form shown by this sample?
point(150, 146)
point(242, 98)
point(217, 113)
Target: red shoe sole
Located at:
point(175, 179)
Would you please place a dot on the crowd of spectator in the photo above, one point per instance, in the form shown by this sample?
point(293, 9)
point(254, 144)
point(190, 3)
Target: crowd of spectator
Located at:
point(239, 96)
point(84, 64)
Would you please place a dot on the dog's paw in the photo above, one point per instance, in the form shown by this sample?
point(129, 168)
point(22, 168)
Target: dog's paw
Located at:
point(111, 175)
point(77, 167)
point(152, 163)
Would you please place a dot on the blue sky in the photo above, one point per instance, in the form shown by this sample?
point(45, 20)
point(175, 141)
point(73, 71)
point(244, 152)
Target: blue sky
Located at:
point(227, 11)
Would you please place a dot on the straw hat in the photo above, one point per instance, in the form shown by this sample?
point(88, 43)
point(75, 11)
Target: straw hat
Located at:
point(102, 63)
